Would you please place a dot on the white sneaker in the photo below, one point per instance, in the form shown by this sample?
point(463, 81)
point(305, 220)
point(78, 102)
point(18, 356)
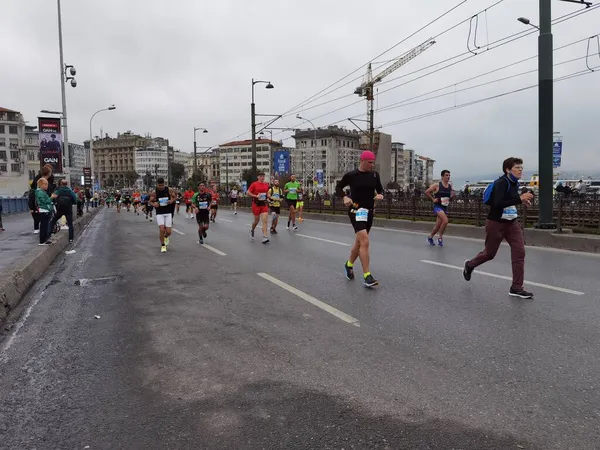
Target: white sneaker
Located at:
point(36, 231)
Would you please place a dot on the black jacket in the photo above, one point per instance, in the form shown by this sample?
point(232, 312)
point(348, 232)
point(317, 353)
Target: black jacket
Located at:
point(503, 196)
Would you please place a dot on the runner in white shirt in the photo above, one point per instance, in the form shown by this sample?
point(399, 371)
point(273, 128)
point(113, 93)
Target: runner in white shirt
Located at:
point(233, 196)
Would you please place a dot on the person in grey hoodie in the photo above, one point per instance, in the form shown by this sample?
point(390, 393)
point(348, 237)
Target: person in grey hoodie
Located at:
point(65, 199)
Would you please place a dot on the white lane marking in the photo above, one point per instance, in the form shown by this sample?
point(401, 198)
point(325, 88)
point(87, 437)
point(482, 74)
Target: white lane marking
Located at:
point(318, 303)
point(212, 249)
point(324, 240)
point(21, 322)
point(225, 220)
point(493, 275)
point(177, 231)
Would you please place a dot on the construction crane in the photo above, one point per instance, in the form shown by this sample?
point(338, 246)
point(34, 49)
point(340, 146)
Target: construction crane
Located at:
point(366, 89)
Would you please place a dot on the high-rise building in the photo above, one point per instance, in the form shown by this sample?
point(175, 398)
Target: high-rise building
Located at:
point(423, 172)
point(13, 156)
point(114, 158)
point(235, 157)
point(332, 151)
point(403, 166)
point(207, 162)
point(152, 159)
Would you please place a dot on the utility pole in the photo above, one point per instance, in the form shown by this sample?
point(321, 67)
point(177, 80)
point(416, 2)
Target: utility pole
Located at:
point(66, 169)
point(546, 116)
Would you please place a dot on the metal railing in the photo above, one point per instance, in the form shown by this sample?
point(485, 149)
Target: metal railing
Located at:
point(14, 204)
point(581, 214)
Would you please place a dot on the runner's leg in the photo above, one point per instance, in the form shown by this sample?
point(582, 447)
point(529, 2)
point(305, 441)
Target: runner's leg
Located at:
point(443, 219)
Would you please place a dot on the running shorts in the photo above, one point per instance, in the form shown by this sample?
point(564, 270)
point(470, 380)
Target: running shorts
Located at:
point(202, 217)
point(258, 210)
point(165, 220)
point(360, 225)
point(300, 204)
point(291, 202)
point(188, 207)
point(437, 209)
point(276, 210)
point(233, 200)
point(215, 207)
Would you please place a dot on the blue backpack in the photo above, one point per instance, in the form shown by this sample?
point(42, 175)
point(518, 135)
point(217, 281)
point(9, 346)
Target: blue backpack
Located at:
point(487, 194)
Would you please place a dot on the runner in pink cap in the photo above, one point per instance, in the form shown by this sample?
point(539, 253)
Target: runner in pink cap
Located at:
point(365, 187)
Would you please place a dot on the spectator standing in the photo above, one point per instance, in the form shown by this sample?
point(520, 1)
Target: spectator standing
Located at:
point(44, 208)
point(65, 199)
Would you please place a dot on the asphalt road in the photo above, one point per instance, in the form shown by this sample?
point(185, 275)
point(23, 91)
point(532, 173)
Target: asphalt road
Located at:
point(194, 349)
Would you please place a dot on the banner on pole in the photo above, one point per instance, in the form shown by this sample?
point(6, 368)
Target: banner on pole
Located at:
point(281, 163)
point(319, 173)
point(557, 152)
point(50, 137)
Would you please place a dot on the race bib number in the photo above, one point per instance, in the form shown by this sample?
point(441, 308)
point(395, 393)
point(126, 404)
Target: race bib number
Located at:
point(203, 205)
point(262, 197)
point(163, 201)
point(299, 196)
point(445, 201)
point(214, 202)
point(510, 213)
point(178, 202)
point(276, 196)
point(362, 215)
point(292, 190)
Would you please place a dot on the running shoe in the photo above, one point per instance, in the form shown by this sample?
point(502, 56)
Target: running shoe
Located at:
point(265, 240)
point(467, 271)
point(349, 271)
point(200, 241)
point(430, 240)
point(167, 239)
point(369, 281)
point(521, 293)
point(163, 249)
point(440, 242)
point(252, 234)
point(273, 231)
point(295, 227)
point(204, 234)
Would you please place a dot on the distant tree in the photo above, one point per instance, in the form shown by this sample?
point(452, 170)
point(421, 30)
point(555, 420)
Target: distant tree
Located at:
point(147, 179)
point(197, 177)
point(177, 172)
point(248, 176)
point(131, 177)
point(110, 182)
point(391, 185)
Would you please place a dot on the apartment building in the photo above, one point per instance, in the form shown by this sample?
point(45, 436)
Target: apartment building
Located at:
point(13, 156)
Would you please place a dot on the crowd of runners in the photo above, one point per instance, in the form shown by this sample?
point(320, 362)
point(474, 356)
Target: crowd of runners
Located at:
point(359, 190)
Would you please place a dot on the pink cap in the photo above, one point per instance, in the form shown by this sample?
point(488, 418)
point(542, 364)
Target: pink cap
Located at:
point(367, 156)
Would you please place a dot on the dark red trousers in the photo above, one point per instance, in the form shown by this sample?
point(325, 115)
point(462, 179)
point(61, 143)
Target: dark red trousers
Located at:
point(495, 233)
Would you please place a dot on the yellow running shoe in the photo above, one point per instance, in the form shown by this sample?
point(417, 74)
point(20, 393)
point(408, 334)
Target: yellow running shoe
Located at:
point(163, 249)
point(166, 241)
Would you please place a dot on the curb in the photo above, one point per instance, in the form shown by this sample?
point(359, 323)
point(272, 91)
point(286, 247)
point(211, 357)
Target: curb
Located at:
point(15, 284)
point(533, 237)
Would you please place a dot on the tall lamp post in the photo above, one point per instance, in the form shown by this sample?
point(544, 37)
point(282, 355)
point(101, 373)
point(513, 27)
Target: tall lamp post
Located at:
point(298, 116)
point(204, 130)
point(63, 79)
point(90, 157)
point(253, 122)
point(546, 110)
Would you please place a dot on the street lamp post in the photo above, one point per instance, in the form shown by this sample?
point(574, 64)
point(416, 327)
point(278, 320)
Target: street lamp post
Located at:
point(253, 123)
point(204, 130)
point(90, 157)
point(545, 113)
point(298, 116)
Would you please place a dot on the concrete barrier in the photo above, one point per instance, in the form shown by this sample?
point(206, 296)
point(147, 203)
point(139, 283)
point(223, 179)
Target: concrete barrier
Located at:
point(15, 284)
point(533, 237)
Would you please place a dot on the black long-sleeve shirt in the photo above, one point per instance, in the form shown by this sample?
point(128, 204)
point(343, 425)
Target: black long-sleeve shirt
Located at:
point(503, 196)
point(363, 187)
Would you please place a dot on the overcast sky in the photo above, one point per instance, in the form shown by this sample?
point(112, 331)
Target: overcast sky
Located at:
point(171, 66)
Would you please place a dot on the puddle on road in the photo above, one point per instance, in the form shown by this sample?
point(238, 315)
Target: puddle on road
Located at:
point(97, 281)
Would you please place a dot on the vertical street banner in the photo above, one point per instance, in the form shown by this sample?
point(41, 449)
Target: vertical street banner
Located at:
point(281, 163)
point(50, 143)
point(87, 177)
point(557, 152)
point(319, 173)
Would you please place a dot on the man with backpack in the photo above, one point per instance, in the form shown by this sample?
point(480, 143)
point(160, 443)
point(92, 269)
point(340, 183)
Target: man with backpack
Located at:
point(65, 199)
point(502, 223)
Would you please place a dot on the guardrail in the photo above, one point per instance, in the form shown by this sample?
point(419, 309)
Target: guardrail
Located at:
point(14, 205)
point(578, 214)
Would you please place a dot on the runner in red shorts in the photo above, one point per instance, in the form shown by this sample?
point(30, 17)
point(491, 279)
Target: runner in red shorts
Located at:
point(258, 191)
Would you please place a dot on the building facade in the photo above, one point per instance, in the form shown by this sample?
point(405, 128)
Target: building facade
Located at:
point(77, 154)
point(235, 157)
point(207, 162)
point(403, 166)
point(114, 158)
point(152, 159)
point(32, 147)
point(13, 156)
point(332, 150)
point(423, 172)
point(382, 143)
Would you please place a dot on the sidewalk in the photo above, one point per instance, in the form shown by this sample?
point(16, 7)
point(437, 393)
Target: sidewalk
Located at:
point(17, 240)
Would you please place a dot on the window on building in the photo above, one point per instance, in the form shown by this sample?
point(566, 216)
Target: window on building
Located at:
point(3, 154)
point(14, 154)
point(31, 156)
point(2, 167)
point(12, 129)
point(2, 142)
point(2, 129)
point(14, 167)
point(337, 142)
